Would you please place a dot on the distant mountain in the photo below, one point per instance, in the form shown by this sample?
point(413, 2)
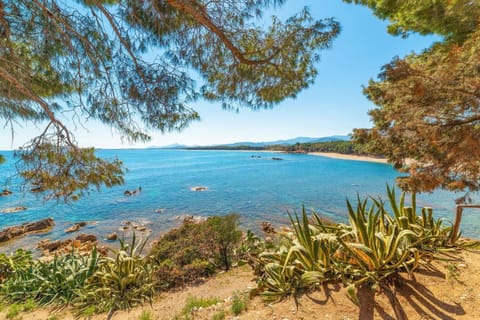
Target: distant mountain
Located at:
point(257, 144)
point(289, 141)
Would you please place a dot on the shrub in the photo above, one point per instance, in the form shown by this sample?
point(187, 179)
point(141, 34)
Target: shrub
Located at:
point(146, 315)
point(239, 303)
point(194, 250)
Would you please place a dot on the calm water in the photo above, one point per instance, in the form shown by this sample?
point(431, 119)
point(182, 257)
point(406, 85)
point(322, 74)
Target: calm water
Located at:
point(256, 188)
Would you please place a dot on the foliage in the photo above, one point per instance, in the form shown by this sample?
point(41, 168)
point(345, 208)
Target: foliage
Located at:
point(120, 282)
point(146, 315)
point(195, 250)
point(428, 113)
point(129, 64)
point(224, 233)
point(239, 303)
point(52, 282)
point(375, 245)
point(451, 19)
point(220, 315)
point(192, 304)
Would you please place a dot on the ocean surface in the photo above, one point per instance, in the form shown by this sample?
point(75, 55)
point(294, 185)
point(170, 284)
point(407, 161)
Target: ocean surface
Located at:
point(248, 183)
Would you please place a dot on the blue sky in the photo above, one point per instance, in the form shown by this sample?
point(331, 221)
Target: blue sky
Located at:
point(333, 105)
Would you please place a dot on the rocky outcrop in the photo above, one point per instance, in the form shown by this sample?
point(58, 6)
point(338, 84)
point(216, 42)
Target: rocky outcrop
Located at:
point(26, 228)
point(14, 209)
point(75, 227)
point(132, 192)
point(83, 243)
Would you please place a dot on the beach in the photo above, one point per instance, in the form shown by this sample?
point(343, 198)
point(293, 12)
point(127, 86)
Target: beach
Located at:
point(348, 157)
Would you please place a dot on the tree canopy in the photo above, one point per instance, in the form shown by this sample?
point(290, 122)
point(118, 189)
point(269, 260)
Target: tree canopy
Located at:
point(427, 119)
point(130, 65)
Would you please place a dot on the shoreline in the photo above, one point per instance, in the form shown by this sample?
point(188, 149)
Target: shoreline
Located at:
point(354, 157)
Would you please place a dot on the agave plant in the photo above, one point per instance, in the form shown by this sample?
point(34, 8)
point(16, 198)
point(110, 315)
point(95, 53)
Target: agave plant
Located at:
point(303, 259)
point(121, 282)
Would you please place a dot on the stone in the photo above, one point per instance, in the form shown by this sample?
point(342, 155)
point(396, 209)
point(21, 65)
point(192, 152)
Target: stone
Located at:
point(267, 227)
point(12, 210)
point(112, 236)
point(198, 188)
point(26, 228)
point(5, 192)
point(75, 227)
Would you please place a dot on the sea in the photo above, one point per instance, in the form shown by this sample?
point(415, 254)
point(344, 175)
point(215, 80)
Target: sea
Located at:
point(251, 184)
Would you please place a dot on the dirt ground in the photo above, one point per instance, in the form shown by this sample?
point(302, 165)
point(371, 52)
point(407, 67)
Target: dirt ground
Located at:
point(449, 289)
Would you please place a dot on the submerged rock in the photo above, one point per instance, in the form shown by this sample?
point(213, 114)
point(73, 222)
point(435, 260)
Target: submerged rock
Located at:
point(26, 228)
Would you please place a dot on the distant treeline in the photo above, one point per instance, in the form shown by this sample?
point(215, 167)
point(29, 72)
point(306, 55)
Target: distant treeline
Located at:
point(344, 147)
point(226, 147)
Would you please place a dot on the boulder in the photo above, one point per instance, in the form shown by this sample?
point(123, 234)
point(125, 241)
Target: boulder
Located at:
point(112, 236)
point(5, 192)
point(267, 227)
point(26, 228)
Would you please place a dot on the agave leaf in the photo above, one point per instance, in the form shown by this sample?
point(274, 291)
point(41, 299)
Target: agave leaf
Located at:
point(352, 294)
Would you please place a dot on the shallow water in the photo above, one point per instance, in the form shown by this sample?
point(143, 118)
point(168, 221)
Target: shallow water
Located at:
point(257, 189)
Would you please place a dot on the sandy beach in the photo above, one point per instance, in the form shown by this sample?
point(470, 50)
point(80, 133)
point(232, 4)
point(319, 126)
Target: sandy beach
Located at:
point(348, 157)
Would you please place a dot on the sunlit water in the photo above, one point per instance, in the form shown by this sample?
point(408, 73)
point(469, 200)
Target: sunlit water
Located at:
point(258, 189)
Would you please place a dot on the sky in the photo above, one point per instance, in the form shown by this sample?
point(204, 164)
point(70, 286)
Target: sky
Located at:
point(333, 105)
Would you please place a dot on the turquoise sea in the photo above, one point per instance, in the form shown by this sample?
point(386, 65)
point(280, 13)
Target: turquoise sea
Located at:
point(257, 188)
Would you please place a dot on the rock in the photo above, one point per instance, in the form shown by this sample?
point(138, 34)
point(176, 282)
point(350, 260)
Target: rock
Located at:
point(37, 189)
point(84, 243)
point(5, 192)
point(12, 210)
point(75, 227)
point(26, 228)
point(112, 236)
point(133, 192)
point(198, 188)
point(161, 210)
point(267, 227)
point(84, 237)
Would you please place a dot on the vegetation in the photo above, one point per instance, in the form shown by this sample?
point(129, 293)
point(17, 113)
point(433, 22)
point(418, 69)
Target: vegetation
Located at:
point(129, 65)
point(377, 244)
point(194, 303)
point(195, 250)
point(428, 106)
point(239, 303)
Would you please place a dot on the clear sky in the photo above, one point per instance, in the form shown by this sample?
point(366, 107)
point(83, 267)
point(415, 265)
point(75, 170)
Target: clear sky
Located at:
point(333, 105)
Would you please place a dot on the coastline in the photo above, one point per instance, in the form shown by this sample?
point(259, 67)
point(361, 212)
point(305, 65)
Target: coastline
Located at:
point(348, 157)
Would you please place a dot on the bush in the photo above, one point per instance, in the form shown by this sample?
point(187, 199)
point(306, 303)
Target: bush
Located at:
point(194, 250)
